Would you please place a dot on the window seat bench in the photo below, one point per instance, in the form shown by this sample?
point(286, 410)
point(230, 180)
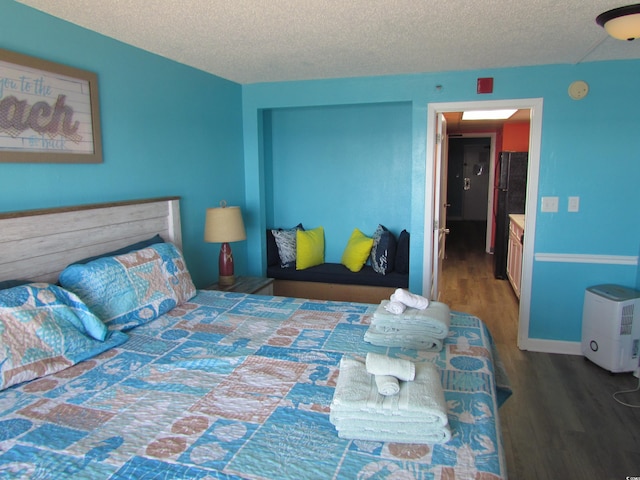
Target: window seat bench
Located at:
point(333, 281)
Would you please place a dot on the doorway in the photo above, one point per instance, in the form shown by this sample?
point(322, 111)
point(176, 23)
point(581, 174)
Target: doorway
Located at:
point(470, 168)
point(433, 201)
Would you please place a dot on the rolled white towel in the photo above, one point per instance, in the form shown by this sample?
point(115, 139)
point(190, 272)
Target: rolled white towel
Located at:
point(387, 385)
point(409, 299)
point(378, 364)
point(395, 307)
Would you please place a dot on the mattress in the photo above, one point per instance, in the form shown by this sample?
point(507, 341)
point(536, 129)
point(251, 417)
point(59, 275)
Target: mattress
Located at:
point(236, 386)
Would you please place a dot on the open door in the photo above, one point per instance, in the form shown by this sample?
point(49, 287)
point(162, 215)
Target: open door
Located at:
point(440, 205)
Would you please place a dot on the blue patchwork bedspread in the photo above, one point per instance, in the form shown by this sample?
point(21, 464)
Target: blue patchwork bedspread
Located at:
point(233, 386)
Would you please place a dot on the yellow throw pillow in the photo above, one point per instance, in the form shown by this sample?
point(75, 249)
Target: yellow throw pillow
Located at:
point(309, 248)
point(358, 249)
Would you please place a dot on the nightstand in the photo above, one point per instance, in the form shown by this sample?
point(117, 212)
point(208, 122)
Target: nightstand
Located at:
point(255, 285)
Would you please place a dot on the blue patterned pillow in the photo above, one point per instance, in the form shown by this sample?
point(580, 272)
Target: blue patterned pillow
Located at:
point(45, 329)
point(45, 297)
point(128, 290)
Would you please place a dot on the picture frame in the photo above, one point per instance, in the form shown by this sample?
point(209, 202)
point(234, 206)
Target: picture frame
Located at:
point(49, 112)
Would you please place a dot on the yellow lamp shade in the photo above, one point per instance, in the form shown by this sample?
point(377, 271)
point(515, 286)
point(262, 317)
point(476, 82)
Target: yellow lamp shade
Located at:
point(224, 224)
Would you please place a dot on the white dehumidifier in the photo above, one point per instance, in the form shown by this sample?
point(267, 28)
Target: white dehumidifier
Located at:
point(611, 327)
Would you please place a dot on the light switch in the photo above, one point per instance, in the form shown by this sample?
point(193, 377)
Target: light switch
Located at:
point(549, 204)
point(574, 204)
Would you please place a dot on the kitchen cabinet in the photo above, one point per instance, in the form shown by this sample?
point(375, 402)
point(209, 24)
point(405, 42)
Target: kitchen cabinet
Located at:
point(514, 256)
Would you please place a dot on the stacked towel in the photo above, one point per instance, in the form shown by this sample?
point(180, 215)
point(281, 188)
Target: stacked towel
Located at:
point(433, 320)
point(414, 328)
point(416, 415)
point(375, 337)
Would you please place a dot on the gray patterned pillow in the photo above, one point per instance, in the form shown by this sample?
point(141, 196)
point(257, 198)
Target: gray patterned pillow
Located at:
point(286, 242)
point(383, 252)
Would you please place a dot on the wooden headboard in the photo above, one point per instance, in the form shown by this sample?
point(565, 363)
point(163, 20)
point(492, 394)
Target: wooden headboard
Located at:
point(37, 245)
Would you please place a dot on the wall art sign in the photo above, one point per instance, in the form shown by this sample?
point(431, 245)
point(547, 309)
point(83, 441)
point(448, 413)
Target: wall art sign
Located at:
point(49, 113)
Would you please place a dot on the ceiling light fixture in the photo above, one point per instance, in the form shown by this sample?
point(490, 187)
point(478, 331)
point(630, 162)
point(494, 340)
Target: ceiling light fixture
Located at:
point(488, 114)
point(622, 23)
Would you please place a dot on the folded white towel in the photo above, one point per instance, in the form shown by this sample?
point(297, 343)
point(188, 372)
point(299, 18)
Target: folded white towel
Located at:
point(356, 394)
point(358, 431)
point(409, 299)
point(433, 320)
point(403, 330)
point(378, 364)
point(381, 421)
point(377, 336)
point(387, 385)
point(394, 307)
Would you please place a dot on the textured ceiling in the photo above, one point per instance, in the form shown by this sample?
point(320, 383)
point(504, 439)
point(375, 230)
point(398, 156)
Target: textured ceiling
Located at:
point(250, 41)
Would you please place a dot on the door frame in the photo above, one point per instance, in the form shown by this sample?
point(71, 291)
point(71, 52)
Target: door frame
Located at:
point(533, 171)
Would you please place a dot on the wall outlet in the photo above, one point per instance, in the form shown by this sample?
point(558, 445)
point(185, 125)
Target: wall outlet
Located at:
point(574, 204)
point(549, 204)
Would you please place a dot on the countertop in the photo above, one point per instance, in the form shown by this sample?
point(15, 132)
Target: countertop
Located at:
point(518, 219)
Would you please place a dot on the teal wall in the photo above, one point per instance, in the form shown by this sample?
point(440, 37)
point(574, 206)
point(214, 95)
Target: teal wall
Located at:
point(590, 148)
point(167, 129)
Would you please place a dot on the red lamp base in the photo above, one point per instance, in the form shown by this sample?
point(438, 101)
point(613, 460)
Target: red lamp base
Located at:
point(225, 265)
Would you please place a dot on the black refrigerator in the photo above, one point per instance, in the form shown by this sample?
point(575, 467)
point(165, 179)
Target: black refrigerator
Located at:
point(511, 193)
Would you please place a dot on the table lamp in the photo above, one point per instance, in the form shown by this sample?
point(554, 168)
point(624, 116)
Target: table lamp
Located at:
point(224, 225)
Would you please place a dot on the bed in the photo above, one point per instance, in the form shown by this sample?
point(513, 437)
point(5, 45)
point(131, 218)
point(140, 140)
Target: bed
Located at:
point(222, 385)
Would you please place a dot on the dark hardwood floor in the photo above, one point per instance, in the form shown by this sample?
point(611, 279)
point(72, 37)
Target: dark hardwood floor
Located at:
point(562, 421)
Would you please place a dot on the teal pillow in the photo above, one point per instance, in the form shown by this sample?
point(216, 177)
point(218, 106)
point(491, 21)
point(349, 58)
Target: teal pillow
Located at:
point(129, 248)
point(132, 289)
point(43, 297)
point(45, 329)
point(12, 283)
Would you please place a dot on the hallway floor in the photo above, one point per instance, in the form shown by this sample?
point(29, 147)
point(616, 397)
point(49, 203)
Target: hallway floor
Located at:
point(562, 421)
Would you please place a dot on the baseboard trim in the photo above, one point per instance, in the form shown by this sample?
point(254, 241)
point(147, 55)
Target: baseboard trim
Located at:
point(551, 346)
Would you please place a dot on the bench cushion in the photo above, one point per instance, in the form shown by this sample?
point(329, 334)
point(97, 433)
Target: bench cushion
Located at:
point(337, 273)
